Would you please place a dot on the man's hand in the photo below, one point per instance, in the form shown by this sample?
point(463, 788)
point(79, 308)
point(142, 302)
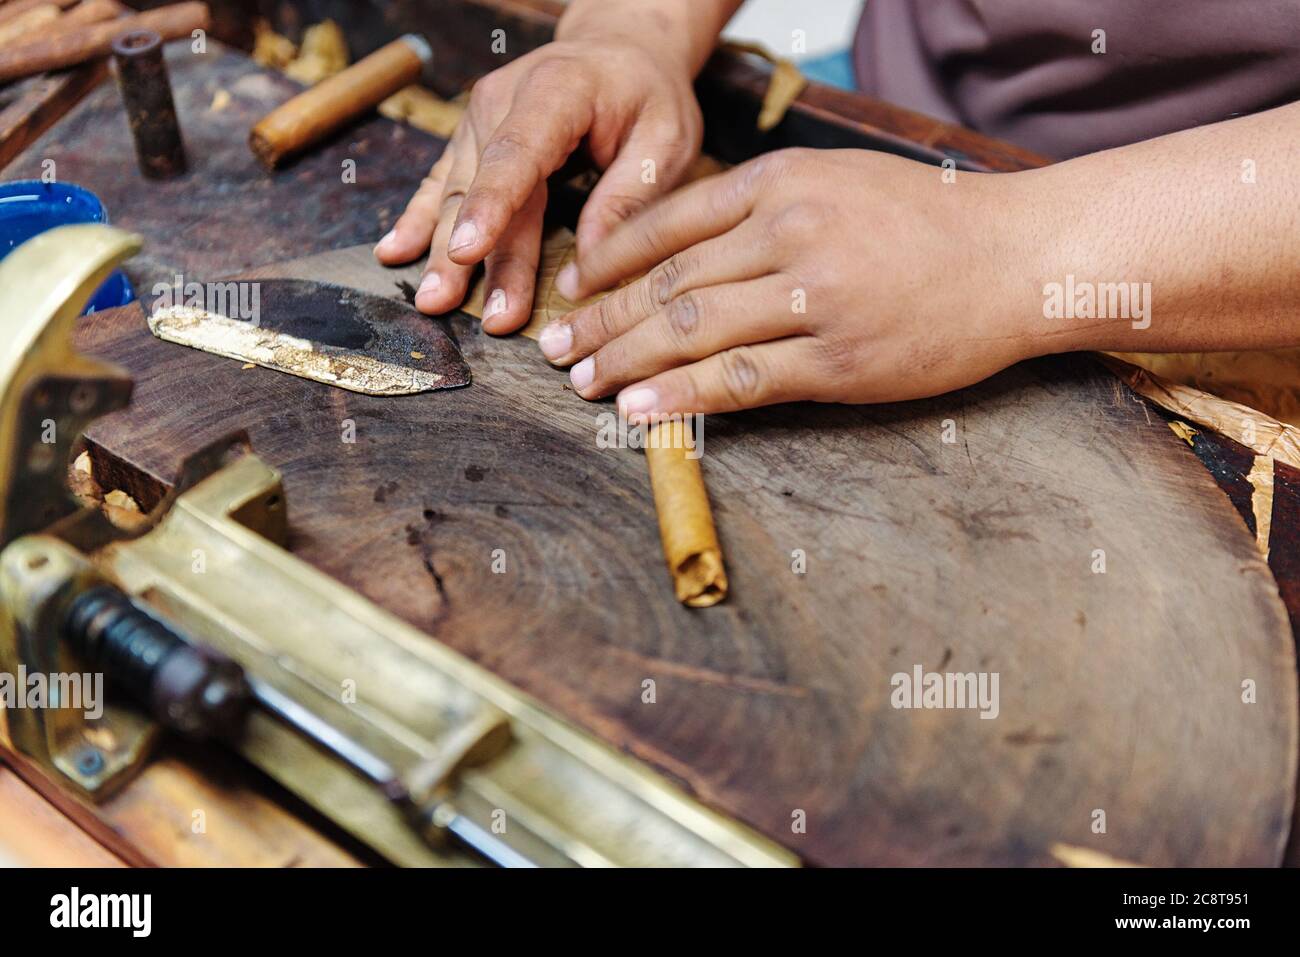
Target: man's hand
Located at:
point(834, 276)
point(851, 276)
point(624, 91)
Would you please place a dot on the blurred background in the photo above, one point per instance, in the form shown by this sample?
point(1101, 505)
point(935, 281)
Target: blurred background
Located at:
point(828, 27)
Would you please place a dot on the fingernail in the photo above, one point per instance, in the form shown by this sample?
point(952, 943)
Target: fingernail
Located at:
point(556, 340)
point(466, 234)
point(496, 304)
point(582, 374)
point(430, 283)
point(388, 240)
point(637, 402)
point(567, 282)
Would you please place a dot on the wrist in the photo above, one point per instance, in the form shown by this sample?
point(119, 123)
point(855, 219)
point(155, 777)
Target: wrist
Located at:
point(1015, 265)
point(1093, 284)
point(675, 29)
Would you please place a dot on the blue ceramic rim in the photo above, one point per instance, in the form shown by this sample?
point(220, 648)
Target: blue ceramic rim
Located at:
point(87, 208)
point(11, 191)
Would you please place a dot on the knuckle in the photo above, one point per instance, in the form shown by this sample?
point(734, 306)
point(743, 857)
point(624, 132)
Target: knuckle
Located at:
point(605, 319)
point(688, 389)
point(507, 146)
point(621, 208)
point(734, 189)
point(770, 169)
point(683, 316)
point(666, 279)
point(837, 357)
point(638, 300)
point(800, 223)
point(742, 378)
point(679, 138)
point(554, 69)
point(769, 166)
point(490, 88)
point(449, 205)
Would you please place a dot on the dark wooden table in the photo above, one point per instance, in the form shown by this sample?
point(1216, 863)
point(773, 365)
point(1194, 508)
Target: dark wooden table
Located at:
point(1123, 700)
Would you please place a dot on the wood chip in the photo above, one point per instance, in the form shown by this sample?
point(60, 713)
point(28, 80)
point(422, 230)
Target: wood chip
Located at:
point(1184, 432)
point(323, 53)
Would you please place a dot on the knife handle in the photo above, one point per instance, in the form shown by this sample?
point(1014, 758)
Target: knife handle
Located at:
point(338, 100)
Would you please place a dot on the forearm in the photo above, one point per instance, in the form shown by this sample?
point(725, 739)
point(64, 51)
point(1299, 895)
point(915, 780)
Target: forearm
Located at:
point(687, 29)
point(1210, 218)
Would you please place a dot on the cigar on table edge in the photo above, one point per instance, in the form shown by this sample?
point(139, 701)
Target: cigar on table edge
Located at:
point(338, 100)
point(686, 528)
point(91, 41)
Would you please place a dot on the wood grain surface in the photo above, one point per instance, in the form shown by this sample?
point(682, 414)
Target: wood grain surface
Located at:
point(29, 107)
point(34, 834)
point(1119, 691)
point(196, 808)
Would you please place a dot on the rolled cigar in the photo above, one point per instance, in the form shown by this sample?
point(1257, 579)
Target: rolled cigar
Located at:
point(21, 28)
point(338, 100)
point(16, 8)
point(96, 40)
point(685, 520)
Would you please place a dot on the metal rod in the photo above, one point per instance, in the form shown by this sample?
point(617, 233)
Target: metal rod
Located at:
point(375, 769)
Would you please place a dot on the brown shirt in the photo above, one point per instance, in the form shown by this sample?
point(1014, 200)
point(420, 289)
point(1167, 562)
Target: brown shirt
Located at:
point(1025, 70)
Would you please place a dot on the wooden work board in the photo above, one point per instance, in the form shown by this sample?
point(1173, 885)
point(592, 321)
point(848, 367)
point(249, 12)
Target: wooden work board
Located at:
point(1119, 692)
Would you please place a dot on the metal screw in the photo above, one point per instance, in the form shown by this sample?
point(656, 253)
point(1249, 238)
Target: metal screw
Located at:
point(90, 761)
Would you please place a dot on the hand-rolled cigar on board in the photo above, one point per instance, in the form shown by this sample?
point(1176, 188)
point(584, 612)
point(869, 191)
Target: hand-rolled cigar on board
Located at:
point(338, 100)
point(95, 40)
point(686, 528)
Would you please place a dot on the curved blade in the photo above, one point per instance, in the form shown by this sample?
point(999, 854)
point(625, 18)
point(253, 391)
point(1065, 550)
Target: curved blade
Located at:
point(331, 334)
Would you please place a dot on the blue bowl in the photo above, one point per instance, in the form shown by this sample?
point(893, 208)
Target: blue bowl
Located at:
point(30, 207)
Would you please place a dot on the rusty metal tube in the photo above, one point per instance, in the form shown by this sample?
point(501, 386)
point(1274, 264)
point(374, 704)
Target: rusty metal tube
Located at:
point(150, 109)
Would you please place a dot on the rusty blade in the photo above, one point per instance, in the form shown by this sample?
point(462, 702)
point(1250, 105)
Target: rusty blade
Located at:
point(331, 334)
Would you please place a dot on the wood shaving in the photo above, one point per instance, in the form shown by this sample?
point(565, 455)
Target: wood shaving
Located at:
point(1184, 432)
point(323, 53)
point(270, 49)
point(425, 110)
